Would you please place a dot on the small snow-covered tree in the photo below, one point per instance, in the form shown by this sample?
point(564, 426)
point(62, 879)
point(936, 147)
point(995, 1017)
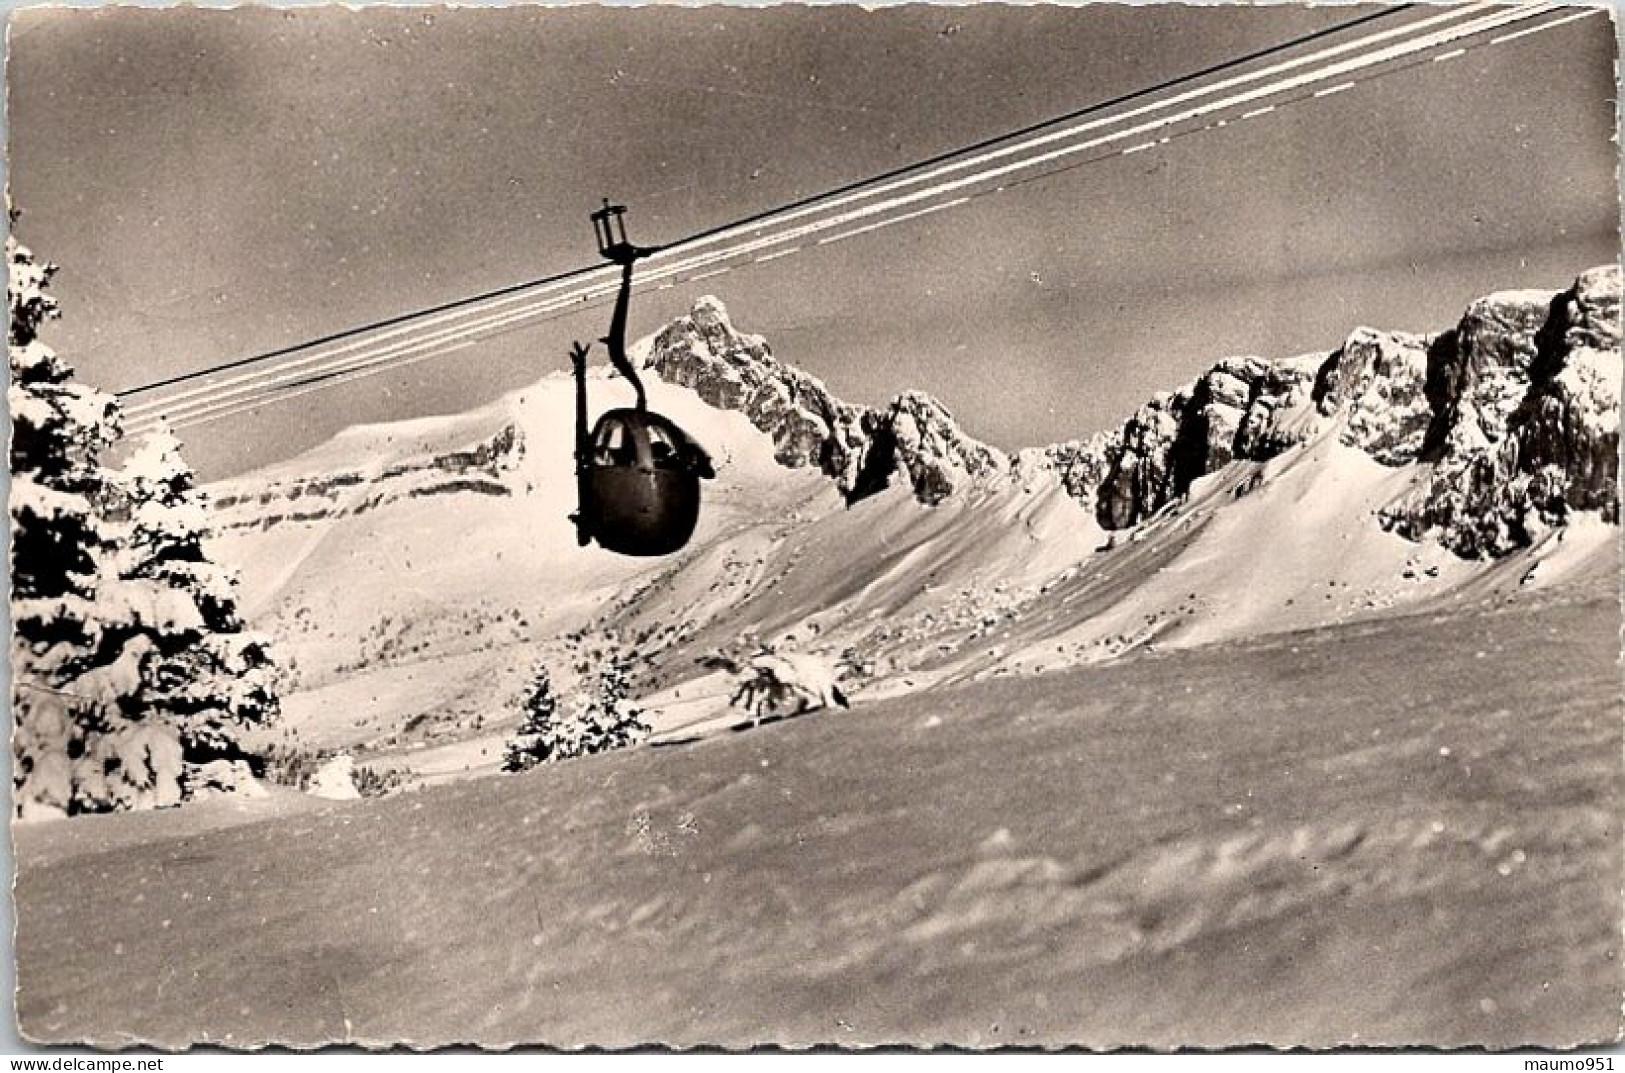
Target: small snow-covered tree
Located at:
point(540, 734)
point(604, 718)
point(612, 719)
point(623, 716)
point(210, 679)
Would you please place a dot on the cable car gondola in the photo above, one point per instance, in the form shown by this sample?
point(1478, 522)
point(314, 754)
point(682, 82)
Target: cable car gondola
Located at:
point(637, 473)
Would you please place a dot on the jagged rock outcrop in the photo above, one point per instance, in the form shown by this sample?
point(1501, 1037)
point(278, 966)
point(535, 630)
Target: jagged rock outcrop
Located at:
point(1515, 412)
point(1140, 478)
point(1080, 465)
point(918, 438)
point(863, 449)
point(1378, 380)
point(1525, 419)
point(731, 370)
point(1243, 407)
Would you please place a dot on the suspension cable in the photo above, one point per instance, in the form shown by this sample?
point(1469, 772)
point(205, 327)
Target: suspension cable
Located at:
point(209, 409)
point(768, 214)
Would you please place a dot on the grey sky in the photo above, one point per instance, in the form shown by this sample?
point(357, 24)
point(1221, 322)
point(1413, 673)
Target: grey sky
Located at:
point(219, 182)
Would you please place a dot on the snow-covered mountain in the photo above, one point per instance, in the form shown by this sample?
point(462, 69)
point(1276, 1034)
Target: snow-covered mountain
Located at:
point(1512, 417)
point(1516, 410)
point(914, 439)
point(414, 571)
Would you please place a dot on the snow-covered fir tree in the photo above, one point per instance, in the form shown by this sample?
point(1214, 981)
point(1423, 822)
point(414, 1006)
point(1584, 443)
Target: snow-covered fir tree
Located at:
point(607, 717)
point(209, 678)
point(613, 719)
point(132, 676)
point(75, 650)
point(60, 428)
point(594, 721)
point(540, 733)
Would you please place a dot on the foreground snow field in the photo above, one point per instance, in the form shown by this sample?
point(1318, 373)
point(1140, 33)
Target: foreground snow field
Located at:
point(1381, 832)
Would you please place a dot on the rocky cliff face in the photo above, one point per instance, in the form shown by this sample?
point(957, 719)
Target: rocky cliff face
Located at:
point(1377, 382)
point(1524, 429)
point(731, 370)
point(863, 449)
point(1081, 465)
point(482, 468)
point(1244, 408)
point(1513, 413)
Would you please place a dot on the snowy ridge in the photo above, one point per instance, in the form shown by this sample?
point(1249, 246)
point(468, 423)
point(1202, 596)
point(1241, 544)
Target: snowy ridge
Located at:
point(1516, 411)
point(481, 468)
point(1262, 497)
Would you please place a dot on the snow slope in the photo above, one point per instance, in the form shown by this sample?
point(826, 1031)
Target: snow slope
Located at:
point(402, 589)
point(1398, 831)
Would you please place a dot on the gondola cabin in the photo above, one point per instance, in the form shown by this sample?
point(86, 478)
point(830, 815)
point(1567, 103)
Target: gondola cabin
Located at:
point(640, 486)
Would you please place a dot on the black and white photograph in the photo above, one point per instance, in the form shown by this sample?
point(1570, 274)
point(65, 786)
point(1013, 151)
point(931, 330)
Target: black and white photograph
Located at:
point(1063, 526)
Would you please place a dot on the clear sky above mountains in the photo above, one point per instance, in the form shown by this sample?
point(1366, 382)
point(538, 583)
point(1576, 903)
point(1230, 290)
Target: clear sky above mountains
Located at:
point(219, 182)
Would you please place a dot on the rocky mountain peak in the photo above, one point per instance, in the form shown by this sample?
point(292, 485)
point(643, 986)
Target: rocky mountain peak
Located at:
point(732, 370)
point(1590, 311)
point(862, 448)
point(1525, 425)
point(1377, 381)
point(1513, 412)
point(919, 438)
point(1242, 408)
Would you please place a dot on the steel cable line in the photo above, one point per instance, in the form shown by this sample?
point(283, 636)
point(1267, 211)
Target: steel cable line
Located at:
point(661, 271)
point(316, 382)
point(1332, 70)
point(280, 375)
point(877, 186)
point(766, 215)
point(826, 201)
point(208, 411)
point(197, 412)
point(203, 408)
point(322, 381)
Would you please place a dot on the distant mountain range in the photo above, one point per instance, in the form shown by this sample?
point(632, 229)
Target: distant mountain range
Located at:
point(414, 571)
point(1516, 409)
